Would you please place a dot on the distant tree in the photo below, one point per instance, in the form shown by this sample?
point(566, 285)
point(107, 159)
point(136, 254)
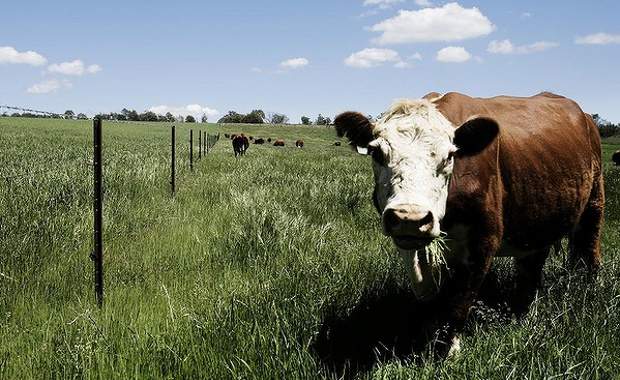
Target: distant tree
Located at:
point(4, 114)
point(82, 116)
point(133, 116)
point(231, 117)
point(16, 114)
point(277, 118)
point(170, 117)
point(148, 116)
point(254, 117)
point(190, 119)
point(69, 114)
point(204, 118)
point(370, 118)
point(305, 120)
point(605, 128)
point(320, 120)
point(328, 121)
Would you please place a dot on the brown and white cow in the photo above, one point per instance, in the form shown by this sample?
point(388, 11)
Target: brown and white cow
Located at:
point(503, 176)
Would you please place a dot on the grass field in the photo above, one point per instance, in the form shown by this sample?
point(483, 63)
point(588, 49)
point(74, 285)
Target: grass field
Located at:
point(269, 266)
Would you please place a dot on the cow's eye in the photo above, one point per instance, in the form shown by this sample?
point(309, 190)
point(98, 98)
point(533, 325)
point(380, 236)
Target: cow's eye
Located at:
point(377, 154)
point(451, 155)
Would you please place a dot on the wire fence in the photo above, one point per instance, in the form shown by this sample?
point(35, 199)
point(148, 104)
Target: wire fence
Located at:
point(94, 164)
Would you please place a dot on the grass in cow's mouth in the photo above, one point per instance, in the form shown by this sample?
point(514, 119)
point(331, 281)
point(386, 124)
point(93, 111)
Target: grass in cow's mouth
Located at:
point(435, 255)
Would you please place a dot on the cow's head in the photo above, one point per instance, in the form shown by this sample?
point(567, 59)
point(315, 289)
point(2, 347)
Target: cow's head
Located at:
point(413, 147)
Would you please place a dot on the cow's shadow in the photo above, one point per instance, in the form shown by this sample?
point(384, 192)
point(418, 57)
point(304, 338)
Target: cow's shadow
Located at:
point(390, 325)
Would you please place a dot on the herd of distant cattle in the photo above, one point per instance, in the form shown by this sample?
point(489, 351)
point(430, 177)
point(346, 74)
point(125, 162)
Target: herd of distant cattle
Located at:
point(241, 142)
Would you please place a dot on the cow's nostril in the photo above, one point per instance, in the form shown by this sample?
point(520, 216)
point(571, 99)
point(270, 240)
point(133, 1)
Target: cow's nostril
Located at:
point(390, 218)
point(428, 219)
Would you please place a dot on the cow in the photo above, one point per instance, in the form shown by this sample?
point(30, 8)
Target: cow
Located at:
point(226, 135)
point(278, 142)
point(299, 143)
point(259, 141)
point(502, 176)
point(240, 145)
point(337, 143)
point(246, 143)
point(269, 140)
point(616, 158)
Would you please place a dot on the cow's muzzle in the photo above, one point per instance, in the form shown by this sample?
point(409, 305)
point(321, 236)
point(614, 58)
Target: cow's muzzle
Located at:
point(410, 227)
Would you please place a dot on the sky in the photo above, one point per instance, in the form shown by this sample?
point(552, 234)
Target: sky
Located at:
point(303, 57)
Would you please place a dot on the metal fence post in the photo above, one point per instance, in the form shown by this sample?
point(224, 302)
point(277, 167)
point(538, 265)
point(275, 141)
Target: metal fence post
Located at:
point(191, 150)
point(97, 254)
point(199, 145)
point(173, 161)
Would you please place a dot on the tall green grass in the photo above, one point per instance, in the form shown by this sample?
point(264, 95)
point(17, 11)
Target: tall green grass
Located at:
point(240, 274)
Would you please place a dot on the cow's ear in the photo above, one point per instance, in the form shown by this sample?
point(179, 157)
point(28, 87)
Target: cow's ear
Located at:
point(475, 135)
point(356, 127)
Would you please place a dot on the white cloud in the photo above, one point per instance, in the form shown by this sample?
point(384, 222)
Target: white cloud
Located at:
point(506, 47)
point(8, 54)
point(453, 54)
point(256, 70)
point(75, 67)
point(383, 4)
point(416, 57)
point(195, 110)
point(48, 86)
point(371, 57)
point(295, 63)
point(526, 15)
point(93, 69)
point(598, 39)
point(423, 3)
point(448, 23)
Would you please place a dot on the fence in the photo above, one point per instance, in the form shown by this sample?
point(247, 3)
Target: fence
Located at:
point(205, 141)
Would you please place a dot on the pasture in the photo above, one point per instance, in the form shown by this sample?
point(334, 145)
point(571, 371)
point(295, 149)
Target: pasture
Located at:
point(267, 266)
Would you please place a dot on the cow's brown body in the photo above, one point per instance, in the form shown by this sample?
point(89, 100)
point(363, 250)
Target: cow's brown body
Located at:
point(539, 181)
point(527, 172)
point(278, 143)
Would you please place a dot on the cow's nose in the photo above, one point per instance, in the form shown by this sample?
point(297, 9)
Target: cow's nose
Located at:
point(408, 220)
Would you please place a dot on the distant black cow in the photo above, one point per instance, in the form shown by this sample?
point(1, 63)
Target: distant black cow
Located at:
point(278, 143)
point(259, 141)
point(337, 143)
point(240, 144)
point(616, 158)
point(226, 135)
point(269, 140)
point(251, 138)
point(299, 143)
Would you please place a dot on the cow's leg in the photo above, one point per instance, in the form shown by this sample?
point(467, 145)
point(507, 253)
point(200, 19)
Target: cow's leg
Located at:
point(483, 244)
point(529, 279)
point(585, 250)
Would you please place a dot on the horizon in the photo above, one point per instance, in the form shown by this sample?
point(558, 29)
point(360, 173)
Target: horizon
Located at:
point(303, 59)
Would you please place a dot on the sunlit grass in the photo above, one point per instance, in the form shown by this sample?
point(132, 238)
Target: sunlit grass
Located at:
point(235, 276)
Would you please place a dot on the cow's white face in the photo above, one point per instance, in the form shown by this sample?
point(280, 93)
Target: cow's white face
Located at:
point(413, 148)
point(412, 163)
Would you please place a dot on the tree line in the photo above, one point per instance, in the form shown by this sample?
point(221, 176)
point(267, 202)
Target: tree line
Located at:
point(606, 128)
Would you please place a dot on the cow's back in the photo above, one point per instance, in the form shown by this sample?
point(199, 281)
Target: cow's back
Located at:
point(547, 158)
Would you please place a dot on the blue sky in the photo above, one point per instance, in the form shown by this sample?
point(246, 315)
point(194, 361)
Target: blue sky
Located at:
point(232, 55)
